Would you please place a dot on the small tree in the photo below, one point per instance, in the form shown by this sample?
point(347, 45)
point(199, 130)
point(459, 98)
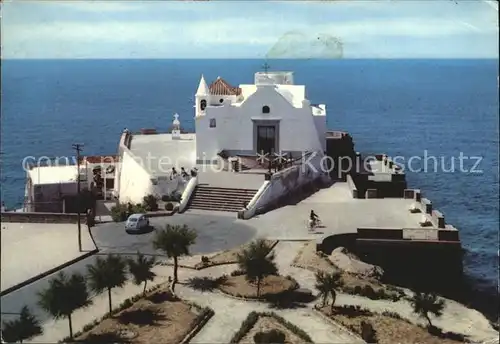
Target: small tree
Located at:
point(273, 336)
point(424, 303)
point(175, 241)
point(140, 268)
point(63, 296)
point(150, 203)
point(26, 326)
point(107, 274)
point(327, 283)
point(257, 263)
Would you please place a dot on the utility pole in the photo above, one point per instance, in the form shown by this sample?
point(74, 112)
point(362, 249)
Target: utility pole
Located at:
point(78, 148)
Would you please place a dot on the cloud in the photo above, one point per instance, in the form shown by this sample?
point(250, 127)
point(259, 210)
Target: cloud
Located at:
point(100, 6)
point(166, 30)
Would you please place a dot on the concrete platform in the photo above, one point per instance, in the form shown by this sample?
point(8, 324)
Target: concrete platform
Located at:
point(30, 249)
point(339, 213)
point(159, 153)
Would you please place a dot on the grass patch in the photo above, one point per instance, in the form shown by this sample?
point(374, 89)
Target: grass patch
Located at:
point(262, 322)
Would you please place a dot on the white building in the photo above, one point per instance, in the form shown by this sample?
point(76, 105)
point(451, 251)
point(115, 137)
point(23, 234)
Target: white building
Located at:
point(272, 115)
point(54, 188)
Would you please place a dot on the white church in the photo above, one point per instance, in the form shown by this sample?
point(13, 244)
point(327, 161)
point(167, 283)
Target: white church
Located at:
point(271, 116)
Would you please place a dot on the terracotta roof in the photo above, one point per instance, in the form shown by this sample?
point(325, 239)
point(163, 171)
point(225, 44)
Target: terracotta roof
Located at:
point(222, 88)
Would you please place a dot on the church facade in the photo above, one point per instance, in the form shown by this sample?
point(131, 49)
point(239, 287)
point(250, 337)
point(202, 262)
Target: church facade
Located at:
point(270, 116)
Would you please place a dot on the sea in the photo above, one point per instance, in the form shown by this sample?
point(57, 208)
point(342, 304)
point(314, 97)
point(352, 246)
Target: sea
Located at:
point(440, 110)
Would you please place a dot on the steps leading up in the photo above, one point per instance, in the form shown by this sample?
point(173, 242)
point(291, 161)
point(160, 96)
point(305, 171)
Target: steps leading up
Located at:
point(220, 199)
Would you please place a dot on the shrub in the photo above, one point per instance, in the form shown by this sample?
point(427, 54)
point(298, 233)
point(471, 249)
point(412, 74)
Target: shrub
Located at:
point(272, 336)
point(150, 203)
point(352, 311)
point(237, 273)
point(138, 209)
point(246, 326)
point(119, 213)
point(436, 331)
point(165, 198)
point(368, 332)
point(205, 260)
point(393, 315)
point(358, 290)
point(169, 206)
point(176, 196)
point(368, 292)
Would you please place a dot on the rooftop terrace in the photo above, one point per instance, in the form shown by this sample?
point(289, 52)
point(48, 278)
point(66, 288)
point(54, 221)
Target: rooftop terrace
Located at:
point(161, 150)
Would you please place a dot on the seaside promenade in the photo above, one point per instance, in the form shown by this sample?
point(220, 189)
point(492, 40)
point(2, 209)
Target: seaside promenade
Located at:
point(217, 231)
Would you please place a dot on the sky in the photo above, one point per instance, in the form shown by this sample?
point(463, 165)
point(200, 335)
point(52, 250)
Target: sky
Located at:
point(249, 29)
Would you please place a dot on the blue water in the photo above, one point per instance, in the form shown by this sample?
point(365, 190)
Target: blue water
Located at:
point(401, 107)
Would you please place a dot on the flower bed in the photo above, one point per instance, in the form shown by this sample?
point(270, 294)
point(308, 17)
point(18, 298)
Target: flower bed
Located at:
point(157, 316)
point(271, 285)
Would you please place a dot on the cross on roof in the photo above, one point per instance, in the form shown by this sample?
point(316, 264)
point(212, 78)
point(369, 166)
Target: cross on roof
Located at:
point(266, 67)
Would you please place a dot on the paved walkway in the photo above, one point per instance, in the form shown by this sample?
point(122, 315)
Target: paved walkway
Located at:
point(230, 312)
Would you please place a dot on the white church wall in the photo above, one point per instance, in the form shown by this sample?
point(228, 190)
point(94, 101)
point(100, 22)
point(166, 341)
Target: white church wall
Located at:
point(135, 181)
point(207, 145)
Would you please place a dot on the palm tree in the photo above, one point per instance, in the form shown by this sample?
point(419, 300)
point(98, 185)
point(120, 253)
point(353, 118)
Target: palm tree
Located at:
point(257, 263)
point(174, 241)
point(424, 303)
point(25, 327)
point(141, 269)
point(63, 296)
point(327, 283)
point(107, 274)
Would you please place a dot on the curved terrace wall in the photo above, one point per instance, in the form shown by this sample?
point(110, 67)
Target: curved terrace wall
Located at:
point(283, 184)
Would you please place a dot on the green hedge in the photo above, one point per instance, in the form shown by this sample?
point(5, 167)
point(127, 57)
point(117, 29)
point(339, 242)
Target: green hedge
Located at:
point(252, 318)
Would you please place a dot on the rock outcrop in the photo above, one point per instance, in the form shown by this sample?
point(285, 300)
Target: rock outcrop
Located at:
point(348, 262)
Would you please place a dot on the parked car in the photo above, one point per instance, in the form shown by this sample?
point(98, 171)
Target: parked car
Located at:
point(136, 223)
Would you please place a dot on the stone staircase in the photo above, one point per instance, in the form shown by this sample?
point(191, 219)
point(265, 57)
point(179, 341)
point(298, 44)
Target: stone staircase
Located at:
point(220, 199)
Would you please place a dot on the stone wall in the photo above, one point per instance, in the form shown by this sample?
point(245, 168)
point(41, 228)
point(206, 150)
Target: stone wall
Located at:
point(41, 217)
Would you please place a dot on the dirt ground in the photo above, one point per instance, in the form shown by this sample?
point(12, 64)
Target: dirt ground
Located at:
point(307, 258)
point(229, 256)
point(239, 286)
point(389, 330)
point(269, 323)
point(155, 318)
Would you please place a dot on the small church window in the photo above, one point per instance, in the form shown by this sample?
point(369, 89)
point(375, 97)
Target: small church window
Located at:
point(221, 100)
point(203, 104)
point(212, 123)
point(266, 109)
